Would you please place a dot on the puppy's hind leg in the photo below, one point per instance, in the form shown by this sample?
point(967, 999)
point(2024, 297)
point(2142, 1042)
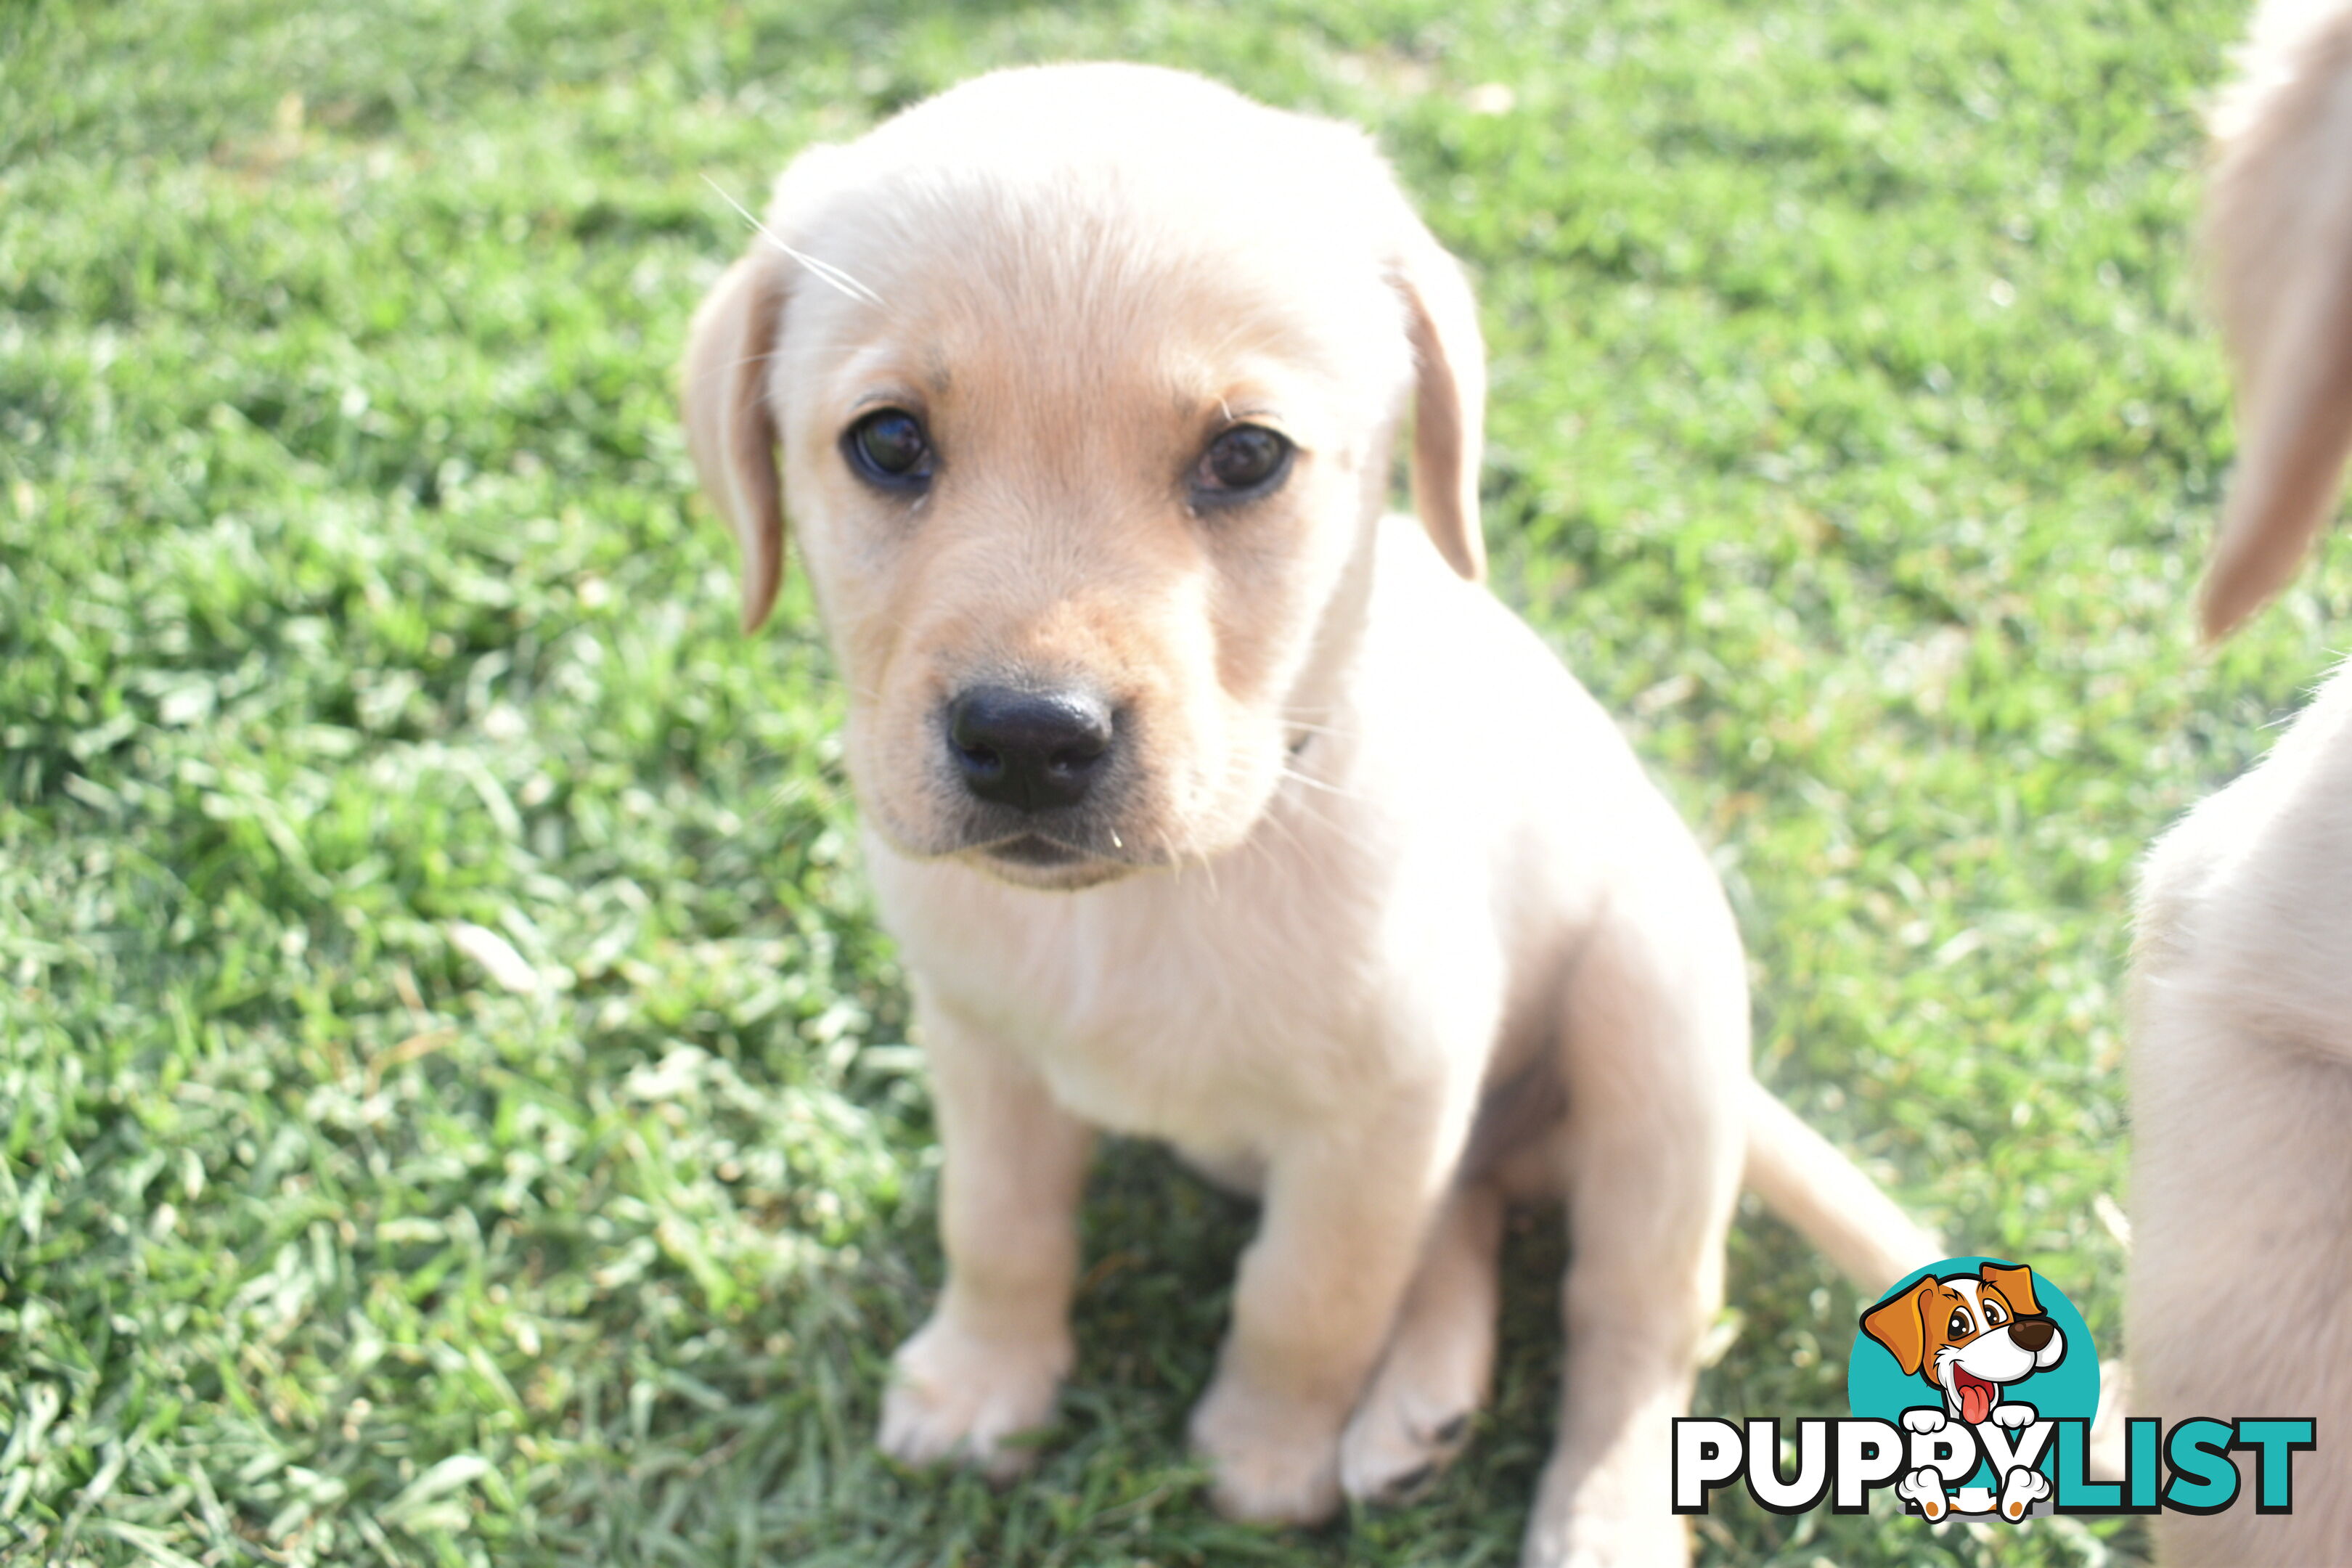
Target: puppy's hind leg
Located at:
point(1434, 1373)
point(1654, 1061)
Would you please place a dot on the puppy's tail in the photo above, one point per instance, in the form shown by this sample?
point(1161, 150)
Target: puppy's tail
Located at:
point(1801, 1177)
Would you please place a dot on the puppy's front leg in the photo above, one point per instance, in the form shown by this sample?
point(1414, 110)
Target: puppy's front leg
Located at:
point(986, 1366)
point(1655, 1063)
point(1318, 1293)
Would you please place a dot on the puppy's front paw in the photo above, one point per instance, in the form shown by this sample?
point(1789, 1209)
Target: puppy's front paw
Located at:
point(1615, 1514)
point(1607, 1544)
point(2012, 1416)
point(1275, 1463)
point(956, 1395)
point(1924, 1418)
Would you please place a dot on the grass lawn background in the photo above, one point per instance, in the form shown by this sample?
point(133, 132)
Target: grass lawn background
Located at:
point(1855, 435)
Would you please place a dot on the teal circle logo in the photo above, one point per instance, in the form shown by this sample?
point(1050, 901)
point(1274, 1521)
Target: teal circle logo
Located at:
point(1979, 1342)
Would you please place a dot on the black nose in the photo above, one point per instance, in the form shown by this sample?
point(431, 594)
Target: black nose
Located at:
point(1028, 750)
point(2033, 1333)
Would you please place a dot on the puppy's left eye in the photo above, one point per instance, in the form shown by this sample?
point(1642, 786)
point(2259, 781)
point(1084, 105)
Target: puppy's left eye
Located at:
point(1959, 1324)
point(888, 448)
point(1243, 462)
point(1994, 1315)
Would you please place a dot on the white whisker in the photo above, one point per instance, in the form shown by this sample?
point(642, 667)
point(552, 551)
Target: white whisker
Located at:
point(1307, 808)
point(1295, 776)
point(825, 270)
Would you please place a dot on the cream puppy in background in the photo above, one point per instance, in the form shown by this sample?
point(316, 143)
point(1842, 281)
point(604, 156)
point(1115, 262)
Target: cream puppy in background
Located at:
point(2242, 1066)
point(1207, 805)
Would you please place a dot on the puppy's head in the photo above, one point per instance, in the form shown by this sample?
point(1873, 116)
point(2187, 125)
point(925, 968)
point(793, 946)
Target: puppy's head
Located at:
point(1079, 384)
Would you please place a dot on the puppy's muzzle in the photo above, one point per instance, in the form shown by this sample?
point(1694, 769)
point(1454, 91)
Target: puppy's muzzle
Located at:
point(1032, 750)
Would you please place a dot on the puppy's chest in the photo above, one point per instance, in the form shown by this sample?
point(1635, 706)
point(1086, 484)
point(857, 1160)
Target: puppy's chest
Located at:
point(1197, 1025)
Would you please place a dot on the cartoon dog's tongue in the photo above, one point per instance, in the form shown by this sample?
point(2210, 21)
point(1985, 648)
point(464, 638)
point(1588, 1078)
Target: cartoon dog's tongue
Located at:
point(1976, 1395)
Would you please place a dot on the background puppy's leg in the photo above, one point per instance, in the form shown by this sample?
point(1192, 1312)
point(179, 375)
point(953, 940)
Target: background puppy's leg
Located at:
point(987, 1364)
point(1655, 1064)
point(1318, 1293)
point(1436, 1371)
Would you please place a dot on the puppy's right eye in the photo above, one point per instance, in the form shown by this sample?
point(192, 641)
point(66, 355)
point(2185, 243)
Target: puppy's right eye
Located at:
point(888, 447)
point(1244, 462)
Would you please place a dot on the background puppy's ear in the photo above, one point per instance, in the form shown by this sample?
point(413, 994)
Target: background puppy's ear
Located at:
point(2016, 1288)
point(1897, 1324)
point(1449, 414)
point(2279, 229)
point(728, 427)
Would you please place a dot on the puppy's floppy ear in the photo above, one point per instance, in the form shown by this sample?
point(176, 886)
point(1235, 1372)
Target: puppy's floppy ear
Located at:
point(1449, 413)
point(2016, 1288)
point(1899, 1323)
point(728, 427)
point(2279, 231)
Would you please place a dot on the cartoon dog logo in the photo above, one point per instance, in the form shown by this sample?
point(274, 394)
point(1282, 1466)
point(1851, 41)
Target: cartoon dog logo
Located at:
point(1970, 1336)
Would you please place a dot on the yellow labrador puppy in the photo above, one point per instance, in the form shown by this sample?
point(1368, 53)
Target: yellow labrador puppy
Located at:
point(1207, 805)
point(2241, 1069)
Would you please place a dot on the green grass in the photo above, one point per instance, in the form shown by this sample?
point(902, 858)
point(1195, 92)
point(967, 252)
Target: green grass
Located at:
point(1855, 433)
